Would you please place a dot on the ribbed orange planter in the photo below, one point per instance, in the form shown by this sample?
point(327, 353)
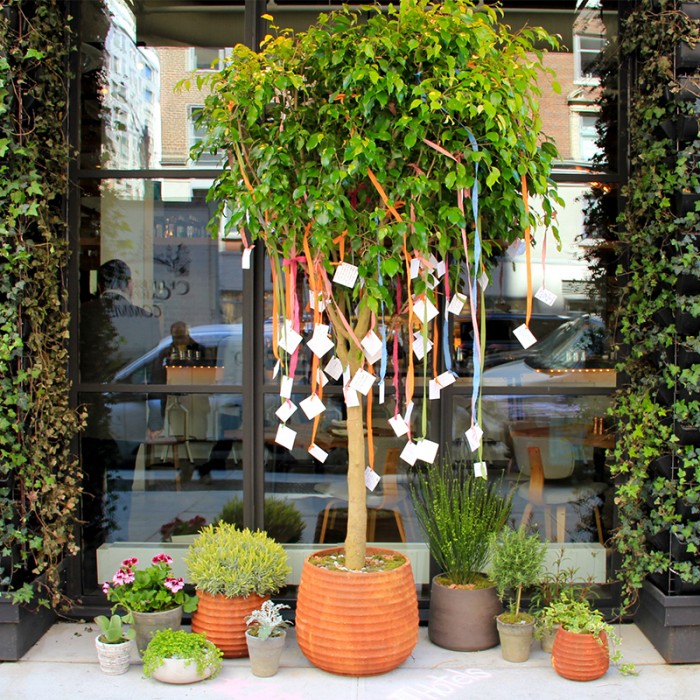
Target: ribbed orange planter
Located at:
point(580, 657)
point(356, 624)
point(222, 620)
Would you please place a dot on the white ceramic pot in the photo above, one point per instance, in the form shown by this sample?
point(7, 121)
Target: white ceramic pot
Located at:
point(179, 671)
point(114, 658)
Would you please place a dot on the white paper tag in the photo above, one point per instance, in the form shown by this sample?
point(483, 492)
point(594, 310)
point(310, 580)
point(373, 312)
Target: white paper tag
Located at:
point(285, 436)
point(381, 393)
point(409, 411)
point(286, 411)
point(321, 378)
point(351, 397)
point(276, 369)
point(398, 425)
point(415, 267)
point(334, 368)
point(420, 347)
point(320, 343)
point(289, 339)
point(483, 281)
point(372, 346)
point(516, 248)
point(316, 301)
point(427, 450)
point(440, 268)
point(409, 453)
point(524, 335)
point(362, 381)
point(345, 274)
point(371, 479)
point(480, 469)
point(318, 453)
point(346, 375)
point(312, 406)
point(545, 296)
point(286, 387)
point(245, 257)
point(424, 310)
point(457, 304)
point(431, 280)
point(446, 378)
point(474, 435)
point(434, 389)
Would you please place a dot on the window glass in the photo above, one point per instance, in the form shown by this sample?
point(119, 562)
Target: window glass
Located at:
point(587, 51)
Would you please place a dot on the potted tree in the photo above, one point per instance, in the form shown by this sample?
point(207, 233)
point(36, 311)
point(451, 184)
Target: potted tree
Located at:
point(516, 563)
point(234, 571)
point(177, 656)
point(460, 513)
point(114, 645)
point(265, 637)
point(351, 150)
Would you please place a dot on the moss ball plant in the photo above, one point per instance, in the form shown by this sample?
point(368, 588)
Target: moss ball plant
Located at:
point(178, 644)
point(224, 560)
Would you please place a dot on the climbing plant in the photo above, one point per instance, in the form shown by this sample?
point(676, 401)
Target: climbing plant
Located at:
point(39, 475)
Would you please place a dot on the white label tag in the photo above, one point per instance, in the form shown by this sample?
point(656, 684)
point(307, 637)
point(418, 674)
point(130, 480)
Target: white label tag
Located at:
point(431, 280)
point(351, 397)
point(276, 369)
point(434, 389)
point(480, 469)
point(320, 343)
point(345, 274)
point(245, 257)
point(371, 479)
point(420, 347)
point(415, 267)
point(457, 304)
point(483, 281)
point(440, 269)
point(474, 435)
point(286, 411)
point(399, 426)
point(524, 335)
point(446, 378)
point(409, 411)
point(424, 310)
point(427, 450)
point(545, 296)
point(321, 378)
point(362, 381)
point(516, 248)
point(312, 406)
point(409, 453)
point(286, 387)
point(334, 368)
point(318, 453)
point(289, 339)
point(372, 346)
point(381, 392)
point(285, 436)
point(316, 301)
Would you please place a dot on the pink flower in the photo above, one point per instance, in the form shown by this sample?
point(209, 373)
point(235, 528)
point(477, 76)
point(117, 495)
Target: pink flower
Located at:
point(164, 558)
point(105, 587)
point(130, 563)
point(174, 584)
point(123, 576)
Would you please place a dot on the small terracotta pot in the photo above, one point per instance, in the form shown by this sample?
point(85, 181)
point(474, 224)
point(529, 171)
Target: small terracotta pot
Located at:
point(357, 624)
point(516, 640)
point(222, 620)
point(580, 657)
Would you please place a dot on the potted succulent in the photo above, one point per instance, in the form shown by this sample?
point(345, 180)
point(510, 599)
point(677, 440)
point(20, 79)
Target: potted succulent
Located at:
point(582, 645)
point(265, 637)
point(154, 598)
point(517, 559)
point(114, 644)
point(234, 571)
point(460, 513)
point(177, 656)
point(352, 148)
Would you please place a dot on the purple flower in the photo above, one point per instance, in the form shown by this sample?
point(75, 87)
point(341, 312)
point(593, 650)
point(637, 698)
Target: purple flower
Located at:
point(174, 584)
point(164, 558)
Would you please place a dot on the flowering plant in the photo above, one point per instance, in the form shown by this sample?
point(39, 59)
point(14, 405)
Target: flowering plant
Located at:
point(267, 621)
point(148, 590)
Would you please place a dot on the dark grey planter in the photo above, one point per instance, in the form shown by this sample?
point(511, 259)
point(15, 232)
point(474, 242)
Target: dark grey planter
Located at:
point(21, 627)
point(671, 623)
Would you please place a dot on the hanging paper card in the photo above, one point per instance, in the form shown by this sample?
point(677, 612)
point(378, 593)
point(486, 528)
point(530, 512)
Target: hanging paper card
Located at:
point(320, 343)
point(289, 339)
point(431, 280)
point(483, 281)
point(381, 392)
point(420, 347)
point(457, 304)
point(480, 469)
point(321, 378)
point(427, 450)
point(440, 269)
point(415, 267)
point(345, 274)
point(276, 369)
point(286, 387)
point(399, 425)
point(433, 262)
point(286, 411)
point(434, 389)
point(245, 258)
point(524, 335)
point(516, 248)
point(362, 381)
point(446, 378)
point(409, 411)
point(372, 346)
point(312, 406)
point(346, 375)
point(334, 368)
point(285, 436)
point(371, 478)
point(474, 435)
point(351, 397)
point(424, 310)
point(545, 296)
point(409, 453)
point(318, 453)
point(316, 301)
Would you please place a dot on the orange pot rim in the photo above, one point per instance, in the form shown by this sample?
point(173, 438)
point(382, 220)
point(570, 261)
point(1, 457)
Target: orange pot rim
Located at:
point(368, 574)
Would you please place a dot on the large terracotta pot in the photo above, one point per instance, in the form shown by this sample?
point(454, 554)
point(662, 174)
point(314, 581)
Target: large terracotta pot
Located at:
point(222, 620)
point(475, 612)
point(580, 657)
point(357, 624)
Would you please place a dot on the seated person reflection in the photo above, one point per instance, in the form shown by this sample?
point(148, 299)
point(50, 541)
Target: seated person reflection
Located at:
point(184, 346)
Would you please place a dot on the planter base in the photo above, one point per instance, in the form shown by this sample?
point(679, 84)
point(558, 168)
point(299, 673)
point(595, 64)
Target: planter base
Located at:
point(21, 628)
point(671, 624)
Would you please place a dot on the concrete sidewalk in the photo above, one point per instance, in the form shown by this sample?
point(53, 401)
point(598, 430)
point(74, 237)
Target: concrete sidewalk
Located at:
point(63, 666)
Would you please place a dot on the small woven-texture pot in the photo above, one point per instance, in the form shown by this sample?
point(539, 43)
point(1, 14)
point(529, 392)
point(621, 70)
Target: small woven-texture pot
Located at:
point(357, 624)
point(222, 620)
point(580, 657)
point(114, 658)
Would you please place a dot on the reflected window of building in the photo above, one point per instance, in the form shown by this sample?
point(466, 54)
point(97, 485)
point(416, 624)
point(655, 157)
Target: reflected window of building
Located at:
point(587, 50)
point(204, 58)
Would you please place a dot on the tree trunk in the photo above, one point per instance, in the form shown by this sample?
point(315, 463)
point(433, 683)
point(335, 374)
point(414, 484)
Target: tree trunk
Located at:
point(356, 536)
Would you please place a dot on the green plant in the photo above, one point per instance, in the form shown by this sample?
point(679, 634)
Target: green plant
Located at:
point(459, 513)
point(281, 518)
point(517, 559)
point(112, 628)
point(359, 141)
point(179, 644)
point(224, 560)
point(267, 621)
point(148, 590)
